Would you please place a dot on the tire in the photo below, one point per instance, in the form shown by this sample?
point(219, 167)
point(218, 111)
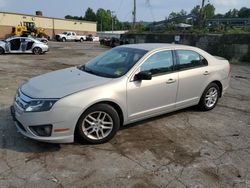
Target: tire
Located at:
point(37, 51)
point(210, 97)
point(81, 40)
point(1, 51)
point(90, 126)
point(63, 39)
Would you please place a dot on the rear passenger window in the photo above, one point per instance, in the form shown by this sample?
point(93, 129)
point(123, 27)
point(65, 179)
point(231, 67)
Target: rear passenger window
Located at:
point(190, 59)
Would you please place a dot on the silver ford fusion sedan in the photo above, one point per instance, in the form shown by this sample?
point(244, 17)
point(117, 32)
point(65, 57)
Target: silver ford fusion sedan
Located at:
point(23, 45)
point(124, 85)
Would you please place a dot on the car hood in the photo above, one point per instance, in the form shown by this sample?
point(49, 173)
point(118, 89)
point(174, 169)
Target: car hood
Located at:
point(61, 83)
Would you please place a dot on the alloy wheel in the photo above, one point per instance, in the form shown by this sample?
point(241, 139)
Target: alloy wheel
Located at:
point(97, 125)
point(211, 97)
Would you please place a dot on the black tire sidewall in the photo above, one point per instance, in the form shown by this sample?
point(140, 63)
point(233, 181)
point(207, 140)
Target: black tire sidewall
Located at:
point(99, 107)
point(202, 104)
point(1, 51)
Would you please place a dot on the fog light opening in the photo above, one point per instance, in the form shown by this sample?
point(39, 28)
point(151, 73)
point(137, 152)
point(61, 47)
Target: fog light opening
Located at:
point(42, 130)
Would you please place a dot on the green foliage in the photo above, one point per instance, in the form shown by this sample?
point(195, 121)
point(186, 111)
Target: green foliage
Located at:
point(90, 15)
point(232, 13)
point(244, 12)
point(235, 61)
point(173, 15)
point(196, 10)
point(235, 13)
point(104, 20)
point(209, 11)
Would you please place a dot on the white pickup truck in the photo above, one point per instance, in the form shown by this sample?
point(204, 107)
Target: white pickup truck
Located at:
point(70, 36)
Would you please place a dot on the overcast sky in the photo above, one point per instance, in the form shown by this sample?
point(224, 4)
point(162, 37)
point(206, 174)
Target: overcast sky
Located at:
point(154, 11)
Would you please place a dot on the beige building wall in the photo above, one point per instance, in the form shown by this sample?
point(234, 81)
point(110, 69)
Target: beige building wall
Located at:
point(51, 25)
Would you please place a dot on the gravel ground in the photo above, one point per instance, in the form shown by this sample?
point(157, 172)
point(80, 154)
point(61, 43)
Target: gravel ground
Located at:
point(187, 148)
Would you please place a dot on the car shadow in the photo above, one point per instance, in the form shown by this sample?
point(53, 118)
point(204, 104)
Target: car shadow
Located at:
point(10, 139)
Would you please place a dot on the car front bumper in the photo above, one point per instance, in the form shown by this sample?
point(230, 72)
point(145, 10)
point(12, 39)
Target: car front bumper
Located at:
point(24, 120)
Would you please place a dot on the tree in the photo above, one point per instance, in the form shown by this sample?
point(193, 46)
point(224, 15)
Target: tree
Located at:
point(104, 19)
point(196, 10)
point(90, 15)
point(209, 11)
point(232, 13)
point(244, 12)
point(173, 15)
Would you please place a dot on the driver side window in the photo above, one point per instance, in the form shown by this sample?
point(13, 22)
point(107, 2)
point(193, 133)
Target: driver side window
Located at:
point(159, 63)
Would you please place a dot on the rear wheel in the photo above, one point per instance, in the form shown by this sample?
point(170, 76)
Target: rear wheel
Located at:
point(98, 124)
point(209, 97)
point(37, 51)
point(1, 51)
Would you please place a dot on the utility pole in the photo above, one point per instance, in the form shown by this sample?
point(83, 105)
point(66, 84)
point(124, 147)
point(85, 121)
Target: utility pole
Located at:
point(134, 15)
point(112, 16)
point(202, 14)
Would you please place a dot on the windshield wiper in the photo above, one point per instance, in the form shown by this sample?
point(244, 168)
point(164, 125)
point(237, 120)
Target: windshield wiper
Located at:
point(83, 68)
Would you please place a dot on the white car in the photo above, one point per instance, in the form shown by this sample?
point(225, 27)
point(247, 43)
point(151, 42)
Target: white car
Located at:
point(70, 36)
point(124, 85)
point(23, 45)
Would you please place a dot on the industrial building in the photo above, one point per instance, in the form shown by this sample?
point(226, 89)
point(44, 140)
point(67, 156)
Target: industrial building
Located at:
point(51, 25)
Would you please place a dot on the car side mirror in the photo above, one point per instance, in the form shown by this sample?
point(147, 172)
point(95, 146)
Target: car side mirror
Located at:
point(145, 75)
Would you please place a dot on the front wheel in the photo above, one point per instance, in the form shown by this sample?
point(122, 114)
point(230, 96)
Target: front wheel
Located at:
point(209, 97)
point(1, 51)
point(37, 51)
point(98, 124)
point(81, 40)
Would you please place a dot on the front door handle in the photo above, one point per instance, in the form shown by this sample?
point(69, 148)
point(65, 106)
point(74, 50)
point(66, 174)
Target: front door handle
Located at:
point(170, 81)
point(206, 73)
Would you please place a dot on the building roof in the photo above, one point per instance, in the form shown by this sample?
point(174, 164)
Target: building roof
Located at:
point(1, 12)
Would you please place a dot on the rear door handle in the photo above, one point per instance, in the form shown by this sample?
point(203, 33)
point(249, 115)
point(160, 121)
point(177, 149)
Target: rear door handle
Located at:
point(206, 73)
point(170, 81)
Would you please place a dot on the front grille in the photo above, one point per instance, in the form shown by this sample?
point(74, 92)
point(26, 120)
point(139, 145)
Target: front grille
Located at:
point(20, 126)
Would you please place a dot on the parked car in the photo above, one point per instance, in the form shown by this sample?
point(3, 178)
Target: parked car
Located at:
point(92, 38)
point(124, 85)
point(111, 42)
point(23, 45)
point(70, 36)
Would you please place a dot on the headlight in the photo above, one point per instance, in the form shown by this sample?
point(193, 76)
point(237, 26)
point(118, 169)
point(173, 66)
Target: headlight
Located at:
point(40, 105)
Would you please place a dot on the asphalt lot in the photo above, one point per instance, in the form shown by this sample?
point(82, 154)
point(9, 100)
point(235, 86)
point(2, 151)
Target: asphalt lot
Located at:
point(187, 148)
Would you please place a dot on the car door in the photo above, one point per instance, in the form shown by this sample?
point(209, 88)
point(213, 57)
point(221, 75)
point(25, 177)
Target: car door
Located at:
point(193, 77)
point(7, 47)
point(150, 97)
point(15, 45)
point(74, 36)
point(30, 44)
point(70, 37)
point(23, 44)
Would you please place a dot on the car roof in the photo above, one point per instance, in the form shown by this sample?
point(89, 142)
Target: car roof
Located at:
point(155, 46)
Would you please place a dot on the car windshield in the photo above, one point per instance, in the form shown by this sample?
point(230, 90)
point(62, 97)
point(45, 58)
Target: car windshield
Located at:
point(114, 63)
point(65, 33)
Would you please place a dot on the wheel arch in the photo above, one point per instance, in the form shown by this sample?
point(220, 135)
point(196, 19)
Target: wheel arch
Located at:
point(219, 84)
point(111, 103)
